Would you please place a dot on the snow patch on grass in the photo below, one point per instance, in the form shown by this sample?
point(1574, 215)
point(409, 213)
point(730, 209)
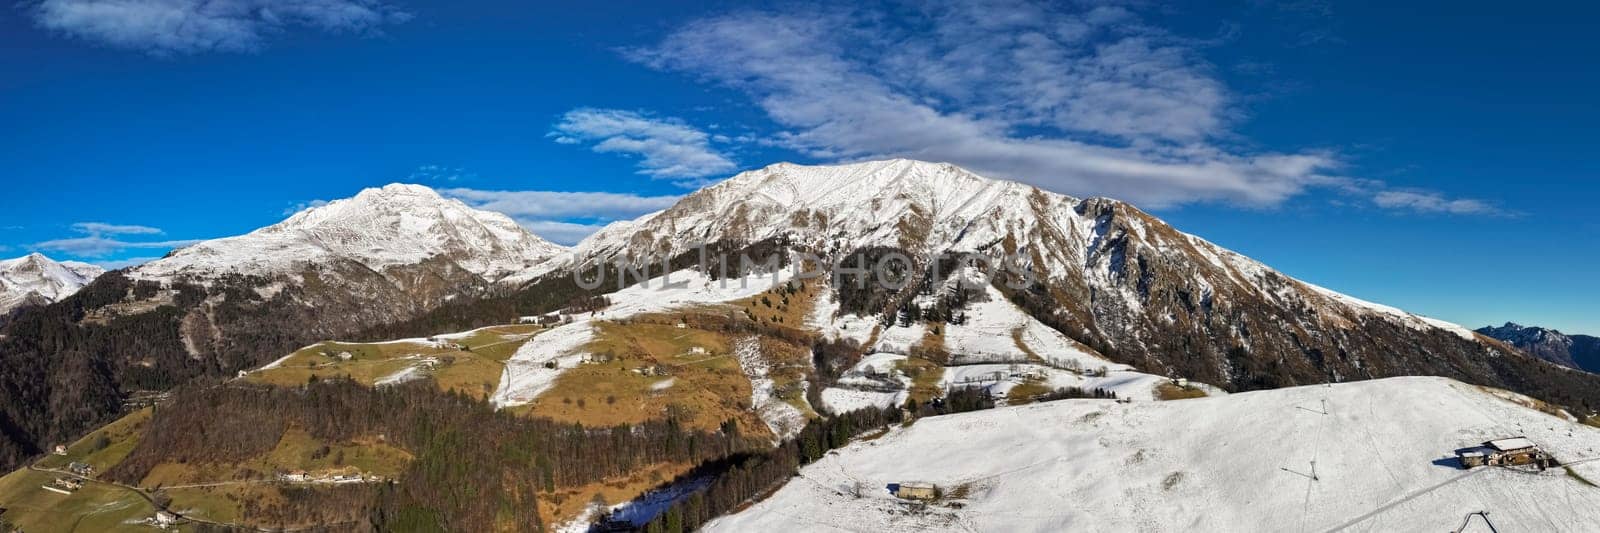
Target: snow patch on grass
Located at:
point(782, 419)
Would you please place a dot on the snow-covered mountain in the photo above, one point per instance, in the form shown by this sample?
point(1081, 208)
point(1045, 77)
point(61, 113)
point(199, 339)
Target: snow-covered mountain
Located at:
point(1112, 277)
point(36, 279)
point(385, 256)
point(395, 226)
point(1576, 351)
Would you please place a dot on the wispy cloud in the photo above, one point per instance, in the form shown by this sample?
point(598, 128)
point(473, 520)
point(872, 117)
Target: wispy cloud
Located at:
point(1087, 101)
point(667, 147)
point(100, 246)
point(100, 240)
point(102, 228)
point(165, 27)
point(124, 263)
point(440, 173)
point(562, 217)
point(553, 204)
point(302, 206)
point(1434, 203)
point(564, 233)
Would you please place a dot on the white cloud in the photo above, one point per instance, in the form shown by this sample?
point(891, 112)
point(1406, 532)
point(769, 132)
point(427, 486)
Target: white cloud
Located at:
point(550, 214)
point(564, 233)
point(440, 173)
point(124, 263)
point(164, 27)
point(99, 246)
point(102, 228)
point(96, 243)
point(302, 206)
point(1086, 102)
point(1433, 203)
point(553, 204)
point(667, 147)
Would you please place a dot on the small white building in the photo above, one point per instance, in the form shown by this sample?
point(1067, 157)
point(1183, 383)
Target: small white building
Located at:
point(698, 350)
point(917, 491)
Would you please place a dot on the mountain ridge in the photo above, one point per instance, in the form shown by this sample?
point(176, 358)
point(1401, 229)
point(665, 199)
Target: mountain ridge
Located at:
point(1576, 351)
point(1115, 277)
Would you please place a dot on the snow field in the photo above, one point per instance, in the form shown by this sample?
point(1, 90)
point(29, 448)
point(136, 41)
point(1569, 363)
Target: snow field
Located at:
point(1383, 462)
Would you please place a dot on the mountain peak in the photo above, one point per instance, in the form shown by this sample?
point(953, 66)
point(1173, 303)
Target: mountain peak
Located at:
point(400, 189)
point(896, 202)
point(39, 279)
point(382, 227)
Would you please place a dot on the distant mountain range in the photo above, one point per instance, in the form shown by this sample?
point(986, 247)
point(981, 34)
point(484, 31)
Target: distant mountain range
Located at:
point(1576, 351)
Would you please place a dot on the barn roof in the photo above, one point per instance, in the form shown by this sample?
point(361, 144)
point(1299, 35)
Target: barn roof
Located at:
point(1515, 443)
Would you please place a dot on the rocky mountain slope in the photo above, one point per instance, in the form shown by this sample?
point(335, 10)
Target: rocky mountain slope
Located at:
point(34, 279)
point(1576, 351)
point(218, 307)
point(1110, 276)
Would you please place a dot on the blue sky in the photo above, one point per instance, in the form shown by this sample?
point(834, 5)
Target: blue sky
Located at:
point(1433, 157)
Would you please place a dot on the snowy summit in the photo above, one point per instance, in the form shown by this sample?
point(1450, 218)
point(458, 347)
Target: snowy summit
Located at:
point(395, 225)
point(37, 279)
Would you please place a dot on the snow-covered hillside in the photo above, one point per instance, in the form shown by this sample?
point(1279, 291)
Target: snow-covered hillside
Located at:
point(526, 374)
point(379, 228)
point(1367, 456)
point(34, 278)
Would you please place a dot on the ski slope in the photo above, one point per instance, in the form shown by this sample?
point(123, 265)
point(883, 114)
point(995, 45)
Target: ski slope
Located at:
point(1383, 457)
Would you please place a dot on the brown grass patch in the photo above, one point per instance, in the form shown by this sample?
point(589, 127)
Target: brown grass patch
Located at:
point(1167, 391)
point(1026, 392)
point(475, 371)
point(296, 450)
point(1016, 338)
point(926, 377)
point(931, 347)
point(629, 381)
point(780, 305)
